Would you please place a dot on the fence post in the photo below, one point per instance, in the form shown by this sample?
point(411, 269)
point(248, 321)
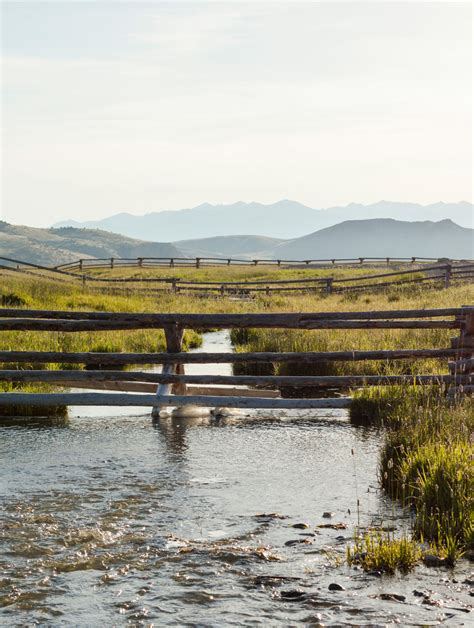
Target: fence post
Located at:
point(140, 262)
point(111, 262)
point(80, 264)
point(388, 261)
point(447, 275)
point(267, 290)
point(329, 281)
point(465, 340)
point(174, 344)
point(228, 262)
point(171, 262)
point(198, 262)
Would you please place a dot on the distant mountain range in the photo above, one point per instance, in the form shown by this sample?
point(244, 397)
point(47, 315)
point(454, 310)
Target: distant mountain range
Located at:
point(49, 247)
point(349, 239)
point(284, 219)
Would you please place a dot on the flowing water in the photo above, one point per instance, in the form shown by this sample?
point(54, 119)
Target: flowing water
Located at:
point(114, 520)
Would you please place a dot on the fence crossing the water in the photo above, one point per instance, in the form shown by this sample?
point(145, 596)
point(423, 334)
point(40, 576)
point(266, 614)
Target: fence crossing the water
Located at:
point(173, 387)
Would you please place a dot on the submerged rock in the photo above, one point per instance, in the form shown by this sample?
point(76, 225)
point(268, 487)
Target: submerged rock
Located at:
point(293, 594)
point(269, 516)
point(334, 586)
point(273, 581)
point(328, 515)
point(333, 526)
point(431, 560)
point(375, 573)
point(392, 597)
point(298, 542)
point(300, 526)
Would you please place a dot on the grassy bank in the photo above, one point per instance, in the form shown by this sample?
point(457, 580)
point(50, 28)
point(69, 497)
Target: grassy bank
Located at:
point(427, 464)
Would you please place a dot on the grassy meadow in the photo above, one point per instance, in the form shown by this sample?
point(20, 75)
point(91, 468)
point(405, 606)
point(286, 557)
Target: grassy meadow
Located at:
point(44, 293)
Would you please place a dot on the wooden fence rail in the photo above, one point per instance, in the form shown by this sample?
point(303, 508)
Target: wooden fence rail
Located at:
point(173, 385)
point(439, 274)
point(199, 262)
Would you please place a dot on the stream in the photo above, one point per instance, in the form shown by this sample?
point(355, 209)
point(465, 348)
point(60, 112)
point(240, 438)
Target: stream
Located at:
point(115, 520)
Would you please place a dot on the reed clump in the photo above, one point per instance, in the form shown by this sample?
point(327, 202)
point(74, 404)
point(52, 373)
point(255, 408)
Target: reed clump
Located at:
point(380, 551)
point(384, 405)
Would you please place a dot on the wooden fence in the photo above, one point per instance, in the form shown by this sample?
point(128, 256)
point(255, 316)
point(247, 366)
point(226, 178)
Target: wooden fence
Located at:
point(201, 262)
point(173, 387)
point(439, 275)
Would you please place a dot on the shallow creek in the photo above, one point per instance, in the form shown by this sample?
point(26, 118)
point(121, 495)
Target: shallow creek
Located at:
point(115, 520)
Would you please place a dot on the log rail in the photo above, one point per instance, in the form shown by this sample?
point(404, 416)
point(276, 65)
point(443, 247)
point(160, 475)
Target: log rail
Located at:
point(174, 387)
point(420, 272)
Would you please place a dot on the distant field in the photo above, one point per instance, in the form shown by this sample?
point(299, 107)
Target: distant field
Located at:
point(38, 292)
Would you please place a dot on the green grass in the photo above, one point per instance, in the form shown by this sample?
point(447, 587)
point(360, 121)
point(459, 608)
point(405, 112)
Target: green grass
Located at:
point(427, 461)
point(14, 412)
point(379, 551)
point(384, 405)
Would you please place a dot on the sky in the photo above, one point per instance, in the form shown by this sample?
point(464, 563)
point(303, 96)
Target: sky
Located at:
point(136, 107)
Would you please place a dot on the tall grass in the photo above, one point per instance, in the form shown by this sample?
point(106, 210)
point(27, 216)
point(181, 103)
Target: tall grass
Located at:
point(427, 462)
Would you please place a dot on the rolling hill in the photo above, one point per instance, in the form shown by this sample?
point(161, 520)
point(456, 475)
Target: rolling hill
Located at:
point(246, 246)
point(50, 247)
point(353, 238)
point(381, 238)
point(284, 219)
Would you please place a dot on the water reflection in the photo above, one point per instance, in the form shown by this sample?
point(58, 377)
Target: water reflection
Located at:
point(174, 429)
point(34, 422)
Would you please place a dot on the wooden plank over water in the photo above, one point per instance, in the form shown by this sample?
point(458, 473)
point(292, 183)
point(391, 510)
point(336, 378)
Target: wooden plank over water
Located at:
point(222, 321)
point(190, 320)
point(130, 399)
point(73, 377)
point(120, 359)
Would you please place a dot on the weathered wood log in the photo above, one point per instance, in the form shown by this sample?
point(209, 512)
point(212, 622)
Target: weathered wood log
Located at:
point(245, 283)
point(222, 321)
point(466, 364)
point(190, 320)
point(463, 342)
point(146, 387)
point(209, 261)
point(130, 399)
point(174, 344)
point(119, 359)
point(69, 377)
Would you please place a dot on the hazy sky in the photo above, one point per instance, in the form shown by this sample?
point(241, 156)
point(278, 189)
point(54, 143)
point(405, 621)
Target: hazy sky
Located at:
point(115, 106)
